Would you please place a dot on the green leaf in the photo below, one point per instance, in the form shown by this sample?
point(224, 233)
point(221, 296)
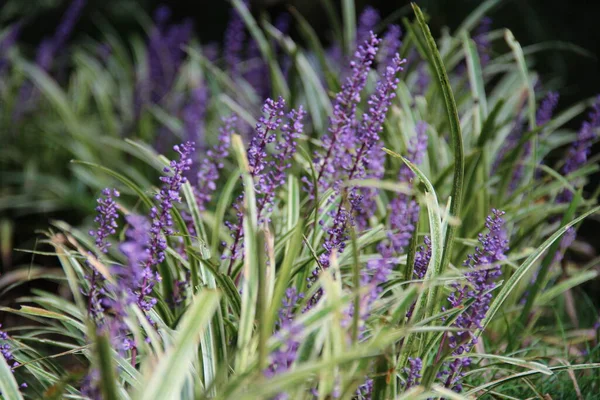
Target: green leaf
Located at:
point(108, 381)
point(349, 16)
point(168, 376)
point(455, 133)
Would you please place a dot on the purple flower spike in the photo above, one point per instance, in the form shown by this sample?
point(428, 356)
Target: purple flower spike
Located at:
point(194, 114)
point(544, 114)
point(368, 136)
point(162, 221)
point(136, 251)
point(265, 134)
point(7, 353)
point(546, 110)
point(343, 119)
point(413, 372)
point(106, 219)
point(390, 45)
point(288, 331)
point(268, 171)
point(578, 153)
point(208, 173)
point(235, 36)
point(481, 280)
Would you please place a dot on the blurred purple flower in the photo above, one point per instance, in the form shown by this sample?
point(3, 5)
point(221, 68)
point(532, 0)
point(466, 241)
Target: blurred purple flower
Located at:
point(367, 21)
point(288, 331)
point(235, 36)
point(390, 45)
point(194, 114)
point(578, 152)
point(208, 173)
point(482, 41)
point(544, 114)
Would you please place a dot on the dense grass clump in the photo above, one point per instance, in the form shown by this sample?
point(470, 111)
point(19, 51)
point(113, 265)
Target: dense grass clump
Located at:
point(385, 218)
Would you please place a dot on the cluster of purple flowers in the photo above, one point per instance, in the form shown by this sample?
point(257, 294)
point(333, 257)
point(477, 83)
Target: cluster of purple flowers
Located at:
point(165, 53)
point(106, 219)
point(543, 116)
point(235, 36)
point(288, 331)
point(162, 221)
point(367, 21)
point(413, 372)
point(107, 226)
point(422, 259)
point(268, 170)
point(7, 353)
point(343, 121)
point(208, 172)
point(403, 215)
point(475, 295)
point(357, 156)
point(390, 45)
point(578, 153)
point(194, 113)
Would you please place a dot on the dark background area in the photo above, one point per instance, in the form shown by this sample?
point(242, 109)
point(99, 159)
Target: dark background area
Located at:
point(532, 21)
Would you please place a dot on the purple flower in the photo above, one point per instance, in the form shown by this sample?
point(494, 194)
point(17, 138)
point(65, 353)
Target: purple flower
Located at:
point(235, 36)
point(482, 41)
point(367, 21)
point(160, 228)
point(165, 55)
point(390, 45)
point(288, 331)
point(404, 211)
point(106, 219)
point(481, 280)
point(544, 114)
point(45, 54)
point(7, 353)
point(510, 142)
point(257, 73)
point(368, 136)
point(135, 248)
point(413, 372)
point(162, 221)
point(107, 225)
point(343, 120)
point(208, 173)
point(578, 152)
point(194, 114)
point(422, 259)
point(267, 171)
